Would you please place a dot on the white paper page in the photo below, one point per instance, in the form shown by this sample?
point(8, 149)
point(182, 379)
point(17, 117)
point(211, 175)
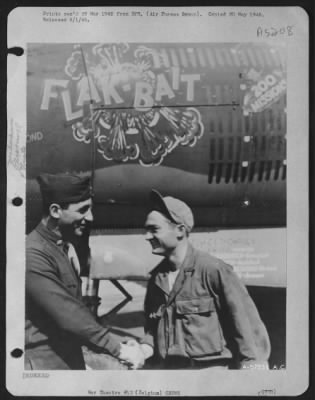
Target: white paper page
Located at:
point(122, 38)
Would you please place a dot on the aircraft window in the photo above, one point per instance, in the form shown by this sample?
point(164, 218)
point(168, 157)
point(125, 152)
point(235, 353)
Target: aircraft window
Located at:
point(230, 148)
point(284, 122)
point(252, 57)
point(254, 126)
point(174, 58)
point(238, 148)
point(210, 57)
point(218, 97)
point(263, 145)
point(209, 100)
point(274, 121)
point(226, 95)
point(219, 57)
point(284, 171)
point(270, 144)
point(229, 121)
point(228, 172)
point(251, 171)
point(277, 170)
point(261, 170)
point(165, 58)
point(265, 125)
point(243, 58)
point(261, 60)
point(219, 172)
point(255, 147)
point(250, 124)
point(264, 57)
point(183, 57)
point(244, 171)
point(278, 119)
point(212, 149)
point(245, 158)
point(270, 121)
point(269, 58)
point(211, 172)
point(246, 147)
point(236, 57)
point(261, 124)
point(221, 149)
point(201, 57)
point(213, 125)
point(247, 124)
point(281, 143)
point(276, 58)
point(237, 94)
point(235, 121)
point(236, 169)
point(225, 123)
point(227, 57)
point(192, 57)
point(268, 170)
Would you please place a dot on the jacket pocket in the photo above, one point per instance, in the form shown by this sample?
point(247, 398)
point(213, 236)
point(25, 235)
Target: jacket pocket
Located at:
point(198, 323)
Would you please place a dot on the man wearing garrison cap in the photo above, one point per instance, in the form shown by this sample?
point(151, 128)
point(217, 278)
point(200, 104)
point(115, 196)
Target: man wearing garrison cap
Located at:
point(58, 323)
point(198, 313)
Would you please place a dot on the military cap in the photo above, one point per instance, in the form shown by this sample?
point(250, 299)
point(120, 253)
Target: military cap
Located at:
point(174, 209)
point(64, 188)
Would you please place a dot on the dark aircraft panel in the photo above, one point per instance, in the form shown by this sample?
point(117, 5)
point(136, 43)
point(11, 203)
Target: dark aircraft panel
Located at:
point(205, 122)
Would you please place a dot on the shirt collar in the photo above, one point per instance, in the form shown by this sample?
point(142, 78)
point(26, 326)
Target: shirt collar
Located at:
point(49, 235)
point(188, 264)
point(189, 260)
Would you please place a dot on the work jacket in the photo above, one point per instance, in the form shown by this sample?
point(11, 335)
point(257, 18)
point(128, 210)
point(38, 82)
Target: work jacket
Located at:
point(57, 321)
point(208, 314)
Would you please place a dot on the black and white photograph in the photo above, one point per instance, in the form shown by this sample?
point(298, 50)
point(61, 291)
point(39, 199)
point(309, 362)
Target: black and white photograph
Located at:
point(157, 201)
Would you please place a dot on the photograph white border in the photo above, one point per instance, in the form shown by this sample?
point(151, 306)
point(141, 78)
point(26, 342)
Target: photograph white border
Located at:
point(26, 25)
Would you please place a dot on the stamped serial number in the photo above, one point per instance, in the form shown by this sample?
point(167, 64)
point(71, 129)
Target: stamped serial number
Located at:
point(272, 32)
point(35, 375)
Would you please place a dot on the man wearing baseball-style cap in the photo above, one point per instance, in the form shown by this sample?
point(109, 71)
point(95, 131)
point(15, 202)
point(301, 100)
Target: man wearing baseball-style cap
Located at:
point(58, 323)
point(198, 313)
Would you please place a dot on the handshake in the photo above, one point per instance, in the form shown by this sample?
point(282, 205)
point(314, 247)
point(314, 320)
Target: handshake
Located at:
point(134, 354)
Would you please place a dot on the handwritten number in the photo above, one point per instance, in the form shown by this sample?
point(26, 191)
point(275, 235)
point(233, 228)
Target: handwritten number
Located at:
point(259, 31)
point(290, 30)
point(267, 32)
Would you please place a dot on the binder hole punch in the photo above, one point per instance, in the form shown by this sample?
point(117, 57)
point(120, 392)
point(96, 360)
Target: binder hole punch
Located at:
point(16, 353)
point(17, 201)
point(17, 51)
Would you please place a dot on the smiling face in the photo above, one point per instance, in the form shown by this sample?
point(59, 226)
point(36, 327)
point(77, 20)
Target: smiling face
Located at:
point(75, 219)
point(162, 234)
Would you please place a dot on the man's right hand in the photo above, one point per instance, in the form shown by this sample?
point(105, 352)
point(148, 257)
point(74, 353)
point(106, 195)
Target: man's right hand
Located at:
point(134, 354)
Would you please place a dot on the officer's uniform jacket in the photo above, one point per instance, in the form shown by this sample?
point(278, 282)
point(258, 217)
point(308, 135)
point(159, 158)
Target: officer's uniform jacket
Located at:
point(57, 322)
point(208, 315)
